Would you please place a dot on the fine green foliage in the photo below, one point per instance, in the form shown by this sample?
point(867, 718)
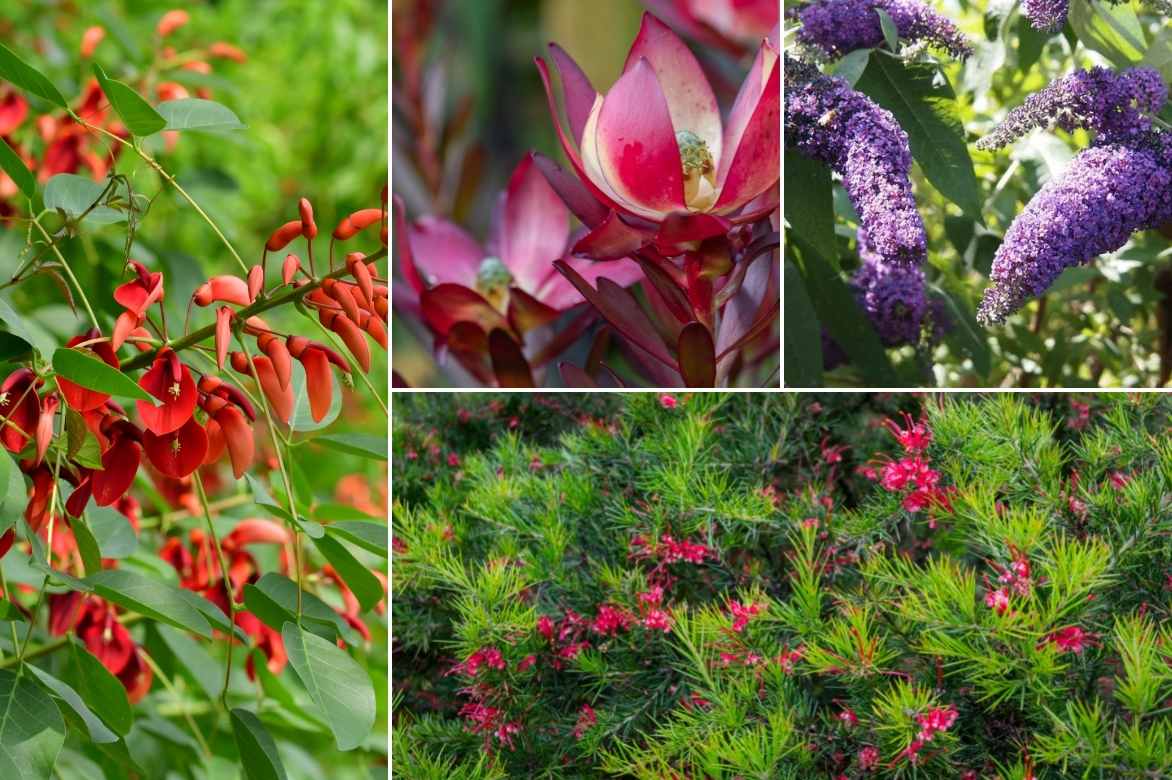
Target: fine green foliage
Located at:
point(815, 619)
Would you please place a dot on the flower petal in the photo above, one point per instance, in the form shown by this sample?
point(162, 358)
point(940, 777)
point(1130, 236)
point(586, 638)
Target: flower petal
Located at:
point(690, 100)
point(178, 453)
point(119, 465)
point(535, 226)
point(238, 433)
point(577, 91)
point(318, 383)
point(635, 142)
point(559, 293)
point(753, 135)
point(445, 305)
point(573, 193)
point(611, 239)
point(178, 398)
point(443, 252)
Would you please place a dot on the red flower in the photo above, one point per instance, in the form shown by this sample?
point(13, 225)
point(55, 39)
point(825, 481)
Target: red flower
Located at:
point(120, 462)
point(732, 24)
point(316, 359)
point(178, 453)
point(20, 408)
point(80, 398)
point(170, 381)
point(96, 624)
point(135, 296)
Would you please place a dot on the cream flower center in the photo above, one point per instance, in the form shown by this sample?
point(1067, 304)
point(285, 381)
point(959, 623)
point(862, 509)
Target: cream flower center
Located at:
point(492, 281)
point(699, 171)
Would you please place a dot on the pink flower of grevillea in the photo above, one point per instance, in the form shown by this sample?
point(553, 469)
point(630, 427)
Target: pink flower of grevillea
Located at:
point(653, 152)
point(466, 292)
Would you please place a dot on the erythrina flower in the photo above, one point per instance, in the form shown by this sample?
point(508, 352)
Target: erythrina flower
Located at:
point(95, 623)
point(135, 297)
point(838, 27)
point(654, 152)
point(20, 408)
point(827, 120)
point(80, 398)
point(466, 291)
point(169, 380)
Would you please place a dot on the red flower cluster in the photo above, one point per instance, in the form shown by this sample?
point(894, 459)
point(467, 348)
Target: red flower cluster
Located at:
point(913, 472)
point(931, 723)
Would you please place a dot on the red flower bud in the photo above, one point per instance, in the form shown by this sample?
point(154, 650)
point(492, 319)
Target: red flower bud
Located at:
point(256, 282)
point(361, 273)
point(357, 222)
point(171, 21)
point(229, 289)
point(119, 465)
point(277, 352)
point(226, 51)
point(223, 334)
point(45, 425)
point(283, 235)
point(237, 435)
point(352, 336)
point(90, 40)
point(308, 226)
point(289, 268)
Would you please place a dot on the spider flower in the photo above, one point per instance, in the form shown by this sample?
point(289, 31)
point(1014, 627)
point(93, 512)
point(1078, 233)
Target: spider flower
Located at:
point(655, 153)
point(827, 120)
point(837, 27)
point(1106, 194)
point(467, 292)
point(1109, 104)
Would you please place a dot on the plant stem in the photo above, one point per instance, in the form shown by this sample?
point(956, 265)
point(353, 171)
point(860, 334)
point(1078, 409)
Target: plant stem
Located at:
point(197, 479)
point(291, 296)
point(68, 270)
point(158, 672)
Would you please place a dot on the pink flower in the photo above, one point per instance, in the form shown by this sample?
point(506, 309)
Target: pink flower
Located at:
point(934, 721)
point(610, 620)
point(654, 161)
point(657, 620)
point(997, 600)
point(668, 401)
point(586, 719)
point(545, 627)
point(485, 656)
point(453, 460)
point(868, 758)
point(788, 658)
point(683, 550)
point(732, 24)
point(849, 718)
point(915, 438)
point(1071, 639)
point(526, 662)
point(652, 597)
point(742, 614)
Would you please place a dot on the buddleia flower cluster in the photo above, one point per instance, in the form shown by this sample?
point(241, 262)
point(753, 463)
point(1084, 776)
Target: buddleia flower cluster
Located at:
point(837, 27)
point(827, 120)
point(1119, 185)
point(892, 296)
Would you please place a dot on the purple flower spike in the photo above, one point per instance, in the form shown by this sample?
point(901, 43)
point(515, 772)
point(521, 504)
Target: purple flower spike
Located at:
point(838, 27)
point(1106, 194)
point(891, 296)
point(827, 120)
point(1045, 14)
point(1107, 103)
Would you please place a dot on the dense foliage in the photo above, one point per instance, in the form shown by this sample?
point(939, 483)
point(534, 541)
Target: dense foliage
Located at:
point(781, 586)
point(978, 193)
point(193, 538)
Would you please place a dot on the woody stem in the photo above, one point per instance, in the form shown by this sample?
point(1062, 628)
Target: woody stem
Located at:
point(197, 478)
point(263, 305)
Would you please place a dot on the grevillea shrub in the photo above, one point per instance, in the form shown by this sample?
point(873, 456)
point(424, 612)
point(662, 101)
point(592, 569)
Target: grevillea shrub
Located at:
point(783, 586)
point(979, 193)
point(645, 256)
point(193, 538)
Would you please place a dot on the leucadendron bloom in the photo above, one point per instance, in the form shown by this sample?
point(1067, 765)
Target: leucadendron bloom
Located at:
point(654, 151)
point(729, 23)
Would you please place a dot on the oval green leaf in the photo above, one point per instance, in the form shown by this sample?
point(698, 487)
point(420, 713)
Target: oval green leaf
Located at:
point(14, 166)
point(150, 597)
point(94, 374)
point(101, 690)
point(367, 587)
point(28, 78)
point(258, 752)
point(337, 684)
point(137, 114)
point(197, 114)
point(370, 536)
point(361, 444)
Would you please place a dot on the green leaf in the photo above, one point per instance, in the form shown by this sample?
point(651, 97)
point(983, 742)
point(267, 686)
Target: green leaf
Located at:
point(150, 597)
point(93, 724)
point(924, 104)
point(14, 166)
point(803, 334)
point(197, 114)
point(361, 444)
point(261, 495)
point(12, 492)
point(367, 587)
point(28, 78)
point(809, 204)
point(10, 612)
point(211, 611)
point(208, 674)
point(87, 545)
point(337, 684)
point(370, 536)
point(966, 337)
point(273, 599)
point(31, 728)
point(136, 113)
point(76, 195)
point(92, 373)
point(100, 689)
point(115, 535)
point(1112, 30)
point(258, 752)
point(30, 332)
point(890, 31)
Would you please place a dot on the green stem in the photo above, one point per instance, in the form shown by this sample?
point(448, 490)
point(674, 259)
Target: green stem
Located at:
point(68, 270)
point(290, 296)
point(197, 479)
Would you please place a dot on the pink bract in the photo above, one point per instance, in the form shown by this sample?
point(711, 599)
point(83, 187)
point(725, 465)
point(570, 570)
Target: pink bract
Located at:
point(655, 152)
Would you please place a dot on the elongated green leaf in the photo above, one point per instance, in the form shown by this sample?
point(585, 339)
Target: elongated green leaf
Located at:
point(890, 31)
point(115, 535)
point(92, 373)
point(204, 669)
point(136, 113)
point(28, 78)
point(921, 99)
point(1112, 30)
point(14, 166)
point(809, 204)
point(370, 536)
point(76, 195)
point(337, 684)
point(31, 728)
point(101, 690)
point(29, 331)
point(98, 731)
point(258, 752)
point(803, 334)
point(11, 491)
point(264, 498)
point(158, 600)
point(87, 545)
point(362, 444)
point(367, 587)
point(273, 599)
point(198, 114)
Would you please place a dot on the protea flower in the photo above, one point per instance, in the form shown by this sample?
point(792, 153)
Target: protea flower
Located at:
point(466, 292)
point(732, 24)
point(655, 153)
